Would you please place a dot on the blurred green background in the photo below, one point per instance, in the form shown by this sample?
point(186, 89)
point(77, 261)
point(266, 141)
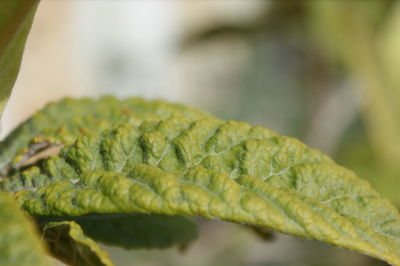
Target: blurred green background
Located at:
point(326, 72)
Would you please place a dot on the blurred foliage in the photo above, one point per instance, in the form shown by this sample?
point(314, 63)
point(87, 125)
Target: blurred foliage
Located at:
point(20, 243)
point(306, 55)
point(361, 36)
point(303, 53)
point(16, 18)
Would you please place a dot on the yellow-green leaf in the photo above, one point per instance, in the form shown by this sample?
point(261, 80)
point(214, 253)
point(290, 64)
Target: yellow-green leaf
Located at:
point(216, 169)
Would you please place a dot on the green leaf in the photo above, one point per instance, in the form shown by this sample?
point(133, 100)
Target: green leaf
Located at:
point(16, 18)
point(132, 231)
point(68, 243)
point(216, 169)
point(19, 242)
point(62, 122)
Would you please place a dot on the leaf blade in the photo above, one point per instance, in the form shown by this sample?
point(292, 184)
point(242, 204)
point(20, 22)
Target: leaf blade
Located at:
point(216, 169)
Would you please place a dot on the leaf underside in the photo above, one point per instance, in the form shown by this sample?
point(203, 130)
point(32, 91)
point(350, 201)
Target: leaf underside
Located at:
point(134, 231)
point(193, 165)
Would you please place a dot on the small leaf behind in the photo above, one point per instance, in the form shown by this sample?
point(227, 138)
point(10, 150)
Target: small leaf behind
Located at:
point(68, 243)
